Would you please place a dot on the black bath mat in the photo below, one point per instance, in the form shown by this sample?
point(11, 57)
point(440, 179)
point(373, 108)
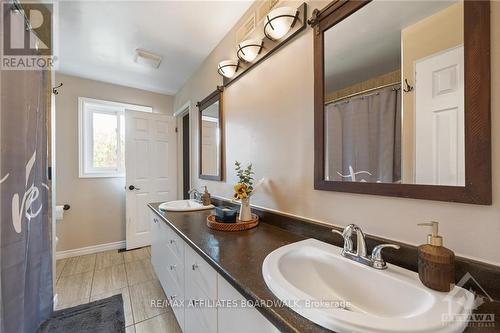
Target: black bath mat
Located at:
point(103, 316)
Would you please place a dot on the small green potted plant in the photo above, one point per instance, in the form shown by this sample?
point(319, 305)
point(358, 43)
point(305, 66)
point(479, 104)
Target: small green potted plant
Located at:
point(243, 190)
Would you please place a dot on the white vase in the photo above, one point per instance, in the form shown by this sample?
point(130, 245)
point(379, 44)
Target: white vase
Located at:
point(245, 211)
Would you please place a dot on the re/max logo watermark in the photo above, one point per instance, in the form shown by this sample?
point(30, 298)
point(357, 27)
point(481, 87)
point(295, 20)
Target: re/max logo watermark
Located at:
point(28, 36)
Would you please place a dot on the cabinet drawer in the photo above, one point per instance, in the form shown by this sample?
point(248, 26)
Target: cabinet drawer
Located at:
point(176, 300)
point(201, 316)
point(155, 242)
point(200, 275)
point(175, 243)
point(176, 269)
point(168, 284)
point(159, 251)
point(175, 296)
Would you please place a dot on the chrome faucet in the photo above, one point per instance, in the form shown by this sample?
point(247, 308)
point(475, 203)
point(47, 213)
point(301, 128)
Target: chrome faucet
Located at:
point(196, 194)
point(375, 260)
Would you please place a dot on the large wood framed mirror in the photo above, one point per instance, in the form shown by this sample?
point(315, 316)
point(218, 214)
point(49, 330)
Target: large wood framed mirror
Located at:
point(402, 99)
point(210, 120)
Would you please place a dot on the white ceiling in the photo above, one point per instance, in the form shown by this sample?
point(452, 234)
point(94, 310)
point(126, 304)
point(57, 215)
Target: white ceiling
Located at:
point(98, 39)
point(368, 43)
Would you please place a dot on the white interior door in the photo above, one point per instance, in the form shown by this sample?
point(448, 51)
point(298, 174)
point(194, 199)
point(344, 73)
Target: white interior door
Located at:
point(209, 153)
point(151, 170)
point(439, 119)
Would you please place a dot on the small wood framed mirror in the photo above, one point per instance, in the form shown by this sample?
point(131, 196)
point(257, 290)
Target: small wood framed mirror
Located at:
point(210, 120)
point(402, 99)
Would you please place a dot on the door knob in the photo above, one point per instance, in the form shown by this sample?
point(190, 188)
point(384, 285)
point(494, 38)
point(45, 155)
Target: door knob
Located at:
point(132, 187)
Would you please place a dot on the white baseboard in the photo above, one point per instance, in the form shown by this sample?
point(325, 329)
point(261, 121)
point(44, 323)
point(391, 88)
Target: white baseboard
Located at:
point(90, 249)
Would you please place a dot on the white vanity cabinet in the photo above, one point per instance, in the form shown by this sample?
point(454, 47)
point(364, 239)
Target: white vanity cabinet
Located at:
point(186, 276)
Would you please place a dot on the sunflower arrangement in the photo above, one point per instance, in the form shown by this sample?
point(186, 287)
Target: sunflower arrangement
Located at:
point(244, 188)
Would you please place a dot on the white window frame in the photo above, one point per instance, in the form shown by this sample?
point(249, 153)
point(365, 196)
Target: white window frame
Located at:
point(86, 108)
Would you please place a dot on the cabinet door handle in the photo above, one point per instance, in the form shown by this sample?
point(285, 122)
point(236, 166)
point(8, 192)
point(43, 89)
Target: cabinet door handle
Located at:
point(194, 266)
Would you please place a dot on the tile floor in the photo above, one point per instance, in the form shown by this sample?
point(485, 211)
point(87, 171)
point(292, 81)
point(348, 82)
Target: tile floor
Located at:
point(95, 276)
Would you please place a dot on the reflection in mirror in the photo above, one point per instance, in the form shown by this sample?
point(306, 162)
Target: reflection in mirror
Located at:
point(210, 140)
point(394, 94)
point(210, 133)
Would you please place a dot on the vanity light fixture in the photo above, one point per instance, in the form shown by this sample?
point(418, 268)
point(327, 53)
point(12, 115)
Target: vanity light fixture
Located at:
point(279, 21)
point(249, 49)
point(228, 68)
point(280, 26)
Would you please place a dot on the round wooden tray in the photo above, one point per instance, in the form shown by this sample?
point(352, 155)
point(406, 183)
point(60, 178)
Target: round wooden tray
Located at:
point(237, 226)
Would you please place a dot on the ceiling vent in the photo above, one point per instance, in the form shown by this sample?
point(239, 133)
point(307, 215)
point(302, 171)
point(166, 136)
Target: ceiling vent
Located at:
point(246, 29)
point(147, 58)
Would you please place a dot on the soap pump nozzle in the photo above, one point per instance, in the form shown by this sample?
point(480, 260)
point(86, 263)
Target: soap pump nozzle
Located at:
point(433, 238)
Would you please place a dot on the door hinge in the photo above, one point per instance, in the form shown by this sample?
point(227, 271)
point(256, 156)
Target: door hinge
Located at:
point(176, 130)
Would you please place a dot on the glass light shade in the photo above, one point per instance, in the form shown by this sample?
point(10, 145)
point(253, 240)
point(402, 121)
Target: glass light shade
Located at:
point(228, 68)
point(249, 49)
point(279, 21)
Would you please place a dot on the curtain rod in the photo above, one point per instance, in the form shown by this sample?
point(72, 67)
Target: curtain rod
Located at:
point(362, 92)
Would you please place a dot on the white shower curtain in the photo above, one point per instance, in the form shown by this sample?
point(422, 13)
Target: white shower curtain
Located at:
point(363, 137)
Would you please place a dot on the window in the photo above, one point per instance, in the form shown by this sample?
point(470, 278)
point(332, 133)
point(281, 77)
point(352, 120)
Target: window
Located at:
point(102, 137)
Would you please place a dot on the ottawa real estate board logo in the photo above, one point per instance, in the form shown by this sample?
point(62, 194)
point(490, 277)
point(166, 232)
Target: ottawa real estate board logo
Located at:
point(28, 36)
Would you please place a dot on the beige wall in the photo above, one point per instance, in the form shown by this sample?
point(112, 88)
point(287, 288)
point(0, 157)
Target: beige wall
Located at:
point(269, 121)
point(438, 32)
point(97, 214)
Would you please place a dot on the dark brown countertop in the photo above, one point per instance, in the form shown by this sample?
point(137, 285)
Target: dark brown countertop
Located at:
point(238, 257)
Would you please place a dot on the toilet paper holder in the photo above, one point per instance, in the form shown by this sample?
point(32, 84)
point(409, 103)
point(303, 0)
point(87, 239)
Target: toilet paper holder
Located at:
point(60, 211)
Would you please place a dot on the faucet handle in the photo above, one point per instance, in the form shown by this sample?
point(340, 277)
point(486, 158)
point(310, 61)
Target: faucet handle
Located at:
point(346, 235)
point(378, 261)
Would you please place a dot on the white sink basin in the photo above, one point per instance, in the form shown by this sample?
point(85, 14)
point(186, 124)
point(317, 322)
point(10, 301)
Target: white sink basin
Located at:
point(183, 206)
point(391, 300)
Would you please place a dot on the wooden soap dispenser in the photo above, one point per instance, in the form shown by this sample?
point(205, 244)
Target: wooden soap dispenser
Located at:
point(436, 263)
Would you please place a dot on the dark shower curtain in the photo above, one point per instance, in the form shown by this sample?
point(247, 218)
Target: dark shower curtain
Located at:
point(25, 228)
